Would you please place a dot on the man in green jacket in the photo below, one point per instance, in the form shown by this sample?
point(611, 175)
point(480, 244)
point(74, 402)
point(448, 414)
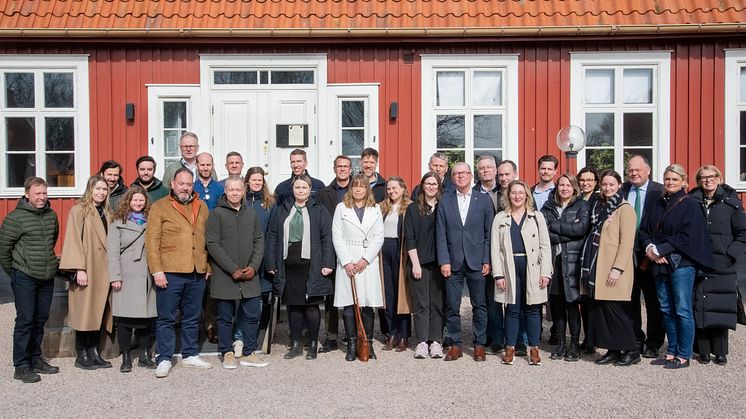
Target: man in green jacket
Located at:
point(27, 239)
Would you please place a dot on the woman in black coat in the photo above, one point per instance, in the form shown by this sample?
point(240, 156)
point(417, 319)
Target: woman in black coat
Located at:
point(567, 216)
point(716, 294)
point(300, 255)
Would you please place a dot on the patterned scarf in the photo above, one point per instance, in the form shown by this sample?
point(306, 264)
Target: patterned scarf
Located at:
point(600, 212)
point(137, 218)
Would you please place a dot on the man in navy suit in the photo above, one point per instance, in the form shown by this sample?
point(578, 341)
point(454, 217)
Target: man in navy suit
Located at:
point(642, 193)
point(463, 226)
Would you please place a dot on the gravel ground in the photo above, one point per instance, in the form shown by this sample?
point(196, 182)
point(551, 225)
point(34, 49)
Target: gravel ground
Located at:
point(395, 384)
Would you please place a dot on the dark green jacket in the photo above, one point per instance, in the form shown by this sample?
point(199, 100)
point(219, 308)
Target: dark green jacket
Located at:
point(27, 239)
point(156, 190)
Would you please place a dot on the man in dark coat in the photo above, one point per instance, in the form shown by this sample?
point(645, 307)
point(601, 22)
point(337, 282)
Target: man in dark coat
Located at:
point(329, 197)
point(298, 164)
point(145, 166)
point(27, 239)
point(235, 242)
point(111, 171)
point(369, 164)
point(439, 164)
point(642, 193)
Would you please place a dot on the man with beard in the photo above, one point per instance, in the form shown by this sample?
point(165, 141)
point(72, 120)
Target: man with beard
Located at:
point(369, 163)
point(112, 173)
point(145, 166)
point(545, 187)
point(177, 259)
point(209, 189)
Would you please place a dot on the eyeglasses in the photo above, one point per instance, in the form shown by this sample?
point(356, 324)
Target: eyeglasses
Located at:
point(708, 178)
point(459, 174)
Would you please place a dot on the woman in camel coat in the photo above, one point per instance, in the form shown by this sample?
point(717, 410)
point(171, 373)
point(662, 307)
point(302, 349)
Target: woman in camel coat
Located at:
point(84, 252)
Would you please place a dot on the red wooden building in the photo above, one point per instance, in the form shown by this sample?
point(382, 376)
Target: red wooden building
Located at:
point(664, 78)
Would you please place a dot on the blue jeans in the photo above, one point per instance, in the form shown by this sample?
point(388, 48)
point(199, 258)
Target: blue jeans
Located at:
point(247, 321)
point(495, 318)
point(522, 313)
point(33, 298)
point(454, 287)
point(675, 295)
point(184, 291)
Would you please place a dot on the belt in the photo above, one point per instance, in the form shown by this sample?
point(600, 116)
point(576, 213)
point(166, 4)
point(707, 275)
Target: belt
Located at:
point(363, 243)
point(520, 254)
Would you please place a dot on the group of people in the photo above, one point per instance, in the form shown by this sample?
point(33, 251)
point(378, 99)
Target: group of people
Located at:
point(586, 247)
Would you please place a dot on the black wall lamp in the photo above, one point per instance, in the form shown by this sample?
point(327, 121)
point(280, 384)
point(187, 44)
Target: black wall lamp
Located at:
point(129, 111)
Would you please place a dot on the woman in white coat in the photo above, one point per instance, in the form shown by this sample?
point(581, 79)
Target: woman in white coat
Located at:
point(357, 234)
point(521, 266)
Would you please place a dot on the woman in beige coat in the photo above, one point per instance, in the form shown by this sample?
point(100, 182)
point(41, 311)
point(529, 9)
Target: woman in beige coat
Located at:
point(84, 252)
point(521, 266)
point(607, 274)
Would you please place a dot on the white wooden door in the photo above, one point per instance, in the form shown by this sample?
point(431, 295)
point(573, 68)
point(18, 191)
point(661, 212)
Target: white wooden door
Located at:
point(291, 107)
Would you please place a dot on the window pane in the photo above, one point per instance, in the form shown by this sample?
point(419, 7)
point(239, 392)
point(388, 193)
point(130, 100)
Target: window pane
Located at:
point(292, 77)
point(487, 88)
point(599, 86)
point(450, 89)
point(742, 123)
point(488, 131)
point(171, 143)
point(58, 90)
point(19, 90)
point(454, 156)
point(600, 159)
point(21, 134)
point(638, 85)
point(60, 134)
point(742, 84)
point(638, 129)
point(235, 77)
point(61, 169)
point(20, 167)
point(353, 114)
point(599, 129)
point(264, 77)
point(174, 114)
point(648, 153)
point(742, 175)
point(496, 154)
point(352, 142)
point(450, 131)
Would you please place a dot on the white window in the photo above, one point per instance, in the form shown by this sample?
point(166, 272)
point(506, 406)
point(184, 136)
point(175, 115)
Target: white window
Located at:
point(622, 101)
point(470, 107)
point(735, 118)
point(172, 111)
point(354, 120)
point(44, 122)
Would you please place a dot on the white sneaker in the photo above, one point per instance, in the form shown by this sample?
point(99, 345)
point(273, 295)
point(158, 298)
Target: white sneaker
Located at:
point(229, 361)
point(436, 351)
point(238, 348)
point(253, 361)
point(164, 367)
point(420, 352)
point(195, 361)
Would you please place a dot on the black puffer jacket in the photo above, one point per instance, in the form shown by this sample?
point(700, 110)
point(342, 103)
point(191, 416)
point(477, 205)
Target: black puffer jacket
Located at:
point(569, 231)
point(322, 249)
point(716, 292)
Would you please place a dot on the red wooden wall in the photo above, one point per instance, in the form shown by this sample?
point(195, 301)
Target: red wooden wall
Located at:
point(119, 72)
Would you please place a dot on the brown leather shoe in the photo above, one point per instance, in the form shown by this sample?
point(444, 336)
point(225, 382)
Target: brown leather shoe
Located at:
point(479, 354)
point(390, 344)
point(403, 345)
point(533, 356)
point(454, 353)
point(212, 334)
point(509, 357)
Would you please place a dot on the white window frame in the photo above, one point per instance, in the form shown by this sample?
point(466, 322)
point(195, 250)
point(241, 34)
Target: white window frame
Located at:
point(432, 63)
point(735, 59)
point(78, 64)
point(337, 93)
point(661, 63)
point(157, 94)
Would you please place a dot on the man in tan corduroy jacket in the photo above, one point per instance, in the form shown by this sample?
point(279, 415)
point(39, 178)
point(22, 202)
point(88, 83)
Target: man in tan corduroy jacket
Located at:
point(177, 258)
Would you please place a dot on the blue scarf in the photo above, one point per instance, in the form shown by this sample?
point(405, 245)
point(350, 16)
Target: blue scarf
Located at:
point(137, 218)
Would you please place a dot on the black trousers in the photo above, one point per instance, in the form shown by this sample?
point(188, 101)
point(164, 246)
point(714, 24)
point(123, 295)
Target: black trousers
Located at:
point(565, 315)
point(645, 284)
point(427, 300)
point(33, 300)
point(711, 341)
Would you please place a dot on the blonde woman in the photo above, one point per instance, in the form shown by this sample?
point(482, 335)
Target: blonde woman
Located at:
point(84, 252)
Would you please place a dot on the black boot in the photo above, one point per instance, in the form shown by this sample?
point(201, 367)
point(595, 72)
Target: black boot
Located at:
point(94, 356)
point(26, 374)
point(146, 359)
point(559, 351)
point(313, 350)
point(573, 352)
point(351, 349)
point(296, 349)
point(370, 350)
point(126, 362)
point(83, 361)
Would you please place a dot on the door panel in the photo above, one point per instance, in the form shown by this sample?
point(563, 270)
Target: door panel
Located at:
point(235, 128)
point(287, 108)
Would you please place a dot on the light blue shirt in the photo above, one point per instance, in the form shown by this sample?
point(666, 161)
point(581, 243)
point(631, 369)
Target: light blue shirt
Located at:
point(541, 197)
point(631, 198)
